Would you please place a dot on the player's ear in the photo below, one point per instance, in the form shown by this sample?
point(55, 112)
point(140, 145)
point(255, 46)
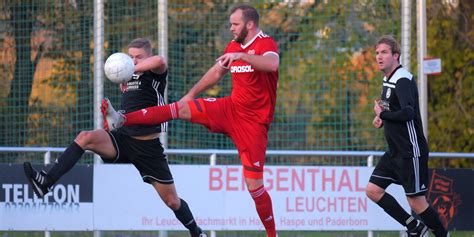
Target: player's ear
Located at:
point(250, 24)
point(397, 56)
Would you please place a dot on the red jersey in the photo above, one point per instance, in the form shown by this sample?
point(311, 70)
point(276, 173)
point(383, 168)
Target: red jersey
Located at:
point(254, 92)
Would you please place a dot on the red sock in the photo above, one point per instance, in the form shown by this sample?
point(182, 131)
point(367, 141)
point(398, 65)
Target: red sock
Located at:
point(152, 115)
point(263, 203)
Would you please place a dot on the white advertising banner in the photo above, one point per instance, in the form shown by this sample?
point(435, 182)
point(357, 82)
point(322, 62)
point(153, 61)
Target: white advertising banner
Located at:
point(304, 198)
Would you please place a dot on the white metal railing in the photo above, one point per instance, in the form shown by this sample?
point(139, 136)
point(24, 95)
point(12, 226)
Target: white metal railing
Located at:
point(214, 152)
point(48, 150)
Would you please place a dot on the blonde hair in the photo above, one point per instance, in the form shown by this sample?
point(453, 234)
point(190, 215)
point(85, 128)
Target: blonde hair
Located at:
point(141, 43)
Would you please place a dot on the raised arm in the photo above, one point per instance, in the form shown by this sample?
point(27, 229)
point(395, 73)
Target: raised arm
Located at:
point(212, 77)
point(156, 64)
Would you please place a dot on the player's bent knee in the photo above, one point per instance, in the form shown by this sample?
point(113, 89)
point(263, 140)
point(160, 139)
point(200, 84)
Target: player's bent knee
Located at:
point(417, 203)
point(373, 192)
point(172, 202)
point(370, 194)
point(89, 139)
point(253, 183)
point(84, 138)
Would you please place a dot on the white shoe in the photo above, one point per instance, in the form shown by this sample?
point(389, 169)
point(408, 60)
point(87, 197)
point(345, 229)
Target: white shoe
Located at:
point(111, 118)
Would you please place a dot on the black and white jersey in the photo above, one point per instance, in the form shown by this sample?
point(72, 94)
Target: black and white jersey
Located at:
point(401, 116)
point(144, 90)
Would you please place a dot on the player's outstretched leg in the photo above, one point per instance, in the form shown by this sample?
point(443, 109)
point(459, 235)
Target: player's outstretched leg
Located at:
point(153, 115)
point(111, 118)
point(149, 116)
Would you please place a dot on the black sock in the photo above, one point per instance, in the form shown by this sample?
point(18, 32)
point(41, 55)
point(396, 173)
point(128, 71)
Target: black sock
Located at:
point(65, 162)
point(391, 207)
point(431, 219)
point(185, 216)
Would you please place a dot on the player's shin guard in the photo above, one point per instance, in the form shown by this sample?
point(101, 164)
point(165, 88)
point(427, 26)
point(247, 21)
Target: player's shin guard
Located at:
point(431, 219)
point(152, 115)
point(263, 203)
point(184, 215)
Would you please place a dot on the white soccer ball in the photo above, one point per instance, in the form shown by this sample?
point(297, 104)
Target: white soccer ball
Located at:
point(119, 68)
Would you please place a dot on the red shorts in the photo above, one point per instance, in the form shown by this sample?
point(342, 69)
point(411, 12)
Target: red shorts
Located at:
point(250, 138)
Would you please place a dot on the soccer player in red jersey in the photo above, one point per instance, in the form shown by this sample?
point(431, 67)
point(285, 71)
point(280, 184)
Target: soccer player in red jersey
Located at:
point(244, 116)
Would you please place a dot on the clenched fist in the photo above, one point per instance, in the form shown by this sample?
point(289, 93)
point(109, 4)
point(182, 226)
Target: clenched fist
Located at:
point(377, 122)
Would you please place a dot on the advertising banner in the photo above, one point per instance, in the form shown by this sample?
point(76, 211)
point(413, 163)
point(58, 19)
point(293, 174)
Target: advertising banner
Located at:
point(67, 207)
point(451, 194)
point(304, 198)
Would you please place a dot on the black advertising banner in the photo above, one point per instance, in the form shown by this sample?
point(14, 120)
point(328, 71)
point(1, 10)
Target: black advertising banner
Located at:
point(68, 206)
point(74, 186)
point(451, 193)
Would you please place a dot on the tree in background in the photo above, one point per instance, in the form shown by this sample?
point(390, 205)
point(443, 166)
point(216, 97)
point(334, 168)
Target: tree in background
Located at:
point(326, 84)
point(450, 36)
point(49, 84)
point(327, 70)
point(16, 109)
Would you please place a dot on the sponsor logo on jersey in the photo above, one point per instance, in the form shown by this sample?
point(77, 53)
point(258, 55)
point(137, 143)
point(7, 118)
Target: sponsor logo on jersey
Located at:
point(131, 86)
point(385, 104)
point(241, 69)
point(252, 51)
point(389, 92)
point(136, 76)
point(210, 99)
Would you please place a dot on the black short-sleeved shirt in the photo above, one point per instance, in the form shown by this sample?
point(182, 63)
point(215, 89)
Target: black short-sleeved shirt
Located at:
point(402, 120)
point(144, 90)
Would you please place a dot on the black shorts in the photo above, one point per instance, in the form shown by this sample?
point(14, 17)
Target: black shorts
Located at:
point(411, 173)
point(146, 155)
